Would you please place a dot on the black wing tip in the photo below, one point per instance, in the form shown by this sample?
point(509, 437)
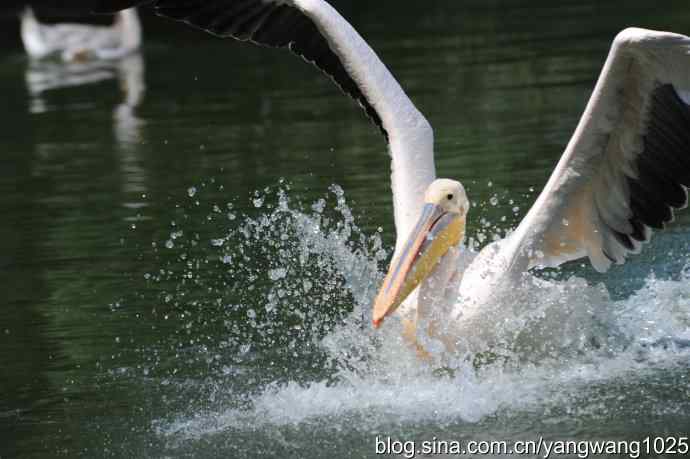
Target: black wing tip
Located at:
point(664, 164)
point(663, 170)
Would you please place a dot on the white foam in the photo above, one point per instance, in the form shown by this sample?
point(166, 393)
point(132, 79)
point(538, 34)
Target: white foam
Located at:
point(554, 342)
point(394, 387)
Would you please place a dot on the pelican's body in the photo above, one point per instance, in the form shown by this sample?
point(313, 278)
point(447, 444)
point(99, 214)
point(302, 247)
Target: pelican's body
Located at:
point(624, 170)
point(72, 42)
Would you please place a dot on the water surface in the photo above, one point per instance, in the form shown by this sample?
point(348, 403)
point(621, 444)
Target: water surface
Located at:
point(191, 239)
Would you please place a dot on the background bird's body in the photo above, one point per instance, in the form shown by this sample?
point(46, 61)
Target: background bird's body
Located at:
point(71, 41)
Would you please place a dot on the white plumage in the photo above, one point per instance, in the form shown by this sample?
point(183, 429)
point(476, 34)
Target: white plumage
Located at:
point(410, 137)
point(81, 41)
point(587, 196)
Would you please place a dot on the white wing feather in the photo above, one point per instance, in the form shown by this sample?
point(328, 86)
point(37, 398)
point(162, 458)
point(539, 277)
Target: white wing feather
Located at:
point(586, 207)
point(411, 140)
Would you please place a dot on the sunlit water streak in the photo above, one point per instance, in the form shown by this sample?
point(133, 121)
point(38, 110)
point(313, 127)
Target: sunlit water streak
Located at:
point(303, 277)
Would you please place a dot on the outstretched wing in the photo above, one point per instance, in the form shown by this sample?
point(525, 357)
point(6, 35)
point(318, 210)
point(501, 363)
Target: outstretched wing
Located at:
point(626, 167)
point(316, 32)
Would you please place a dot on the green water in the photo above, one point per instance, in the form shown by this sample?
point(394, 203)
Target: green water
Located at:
point(125, 333)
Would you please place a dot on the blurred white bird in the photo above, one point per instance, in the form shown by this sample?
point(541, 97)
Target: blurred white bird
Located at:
point(72, 42)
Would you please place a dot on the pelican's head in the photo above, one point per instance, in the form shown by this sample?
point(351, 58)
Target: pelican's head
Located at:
point(441, 226)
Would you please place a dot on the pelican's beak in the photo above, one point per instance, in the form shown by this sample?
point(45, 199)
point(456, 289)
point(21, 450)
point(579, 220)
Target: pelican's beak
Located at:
point(436, 231)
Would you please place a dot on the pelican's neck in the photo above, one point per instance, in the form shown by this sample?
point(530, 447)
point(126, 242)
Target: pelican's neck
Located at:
point(412, 171)
point(130, 28)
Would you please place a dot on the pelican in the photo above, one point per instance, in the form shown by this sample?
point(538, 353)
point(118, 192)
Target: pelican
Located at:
point(80, 41)
point(623, 173)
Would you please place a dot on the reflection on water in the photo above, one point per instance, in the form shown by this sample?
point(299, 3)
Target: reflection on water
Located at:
point(168, 295)
point(49, 75)
point(44, 76)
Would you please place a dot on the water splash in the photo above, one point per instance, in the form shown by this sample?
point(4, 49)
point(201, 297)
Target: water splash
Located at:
point(292, 284)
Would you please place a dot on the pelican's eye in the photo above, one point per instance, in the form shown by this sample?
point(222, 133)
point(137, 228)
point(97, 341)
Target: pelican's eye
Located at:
point(450, 197)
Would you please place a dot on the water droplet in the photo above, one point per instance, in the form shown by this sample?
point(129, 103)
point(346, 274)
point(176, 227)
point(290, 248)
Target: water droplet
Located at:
point(169, 244)
point(318, 206)
point(191, 191)
point(277, 274)
point(307, 285)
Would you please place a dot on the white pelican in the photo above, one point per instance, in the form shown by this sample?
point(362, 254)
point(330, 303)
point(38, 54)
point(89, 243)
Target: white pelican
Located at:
point(623, 172)
point(73, 42)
